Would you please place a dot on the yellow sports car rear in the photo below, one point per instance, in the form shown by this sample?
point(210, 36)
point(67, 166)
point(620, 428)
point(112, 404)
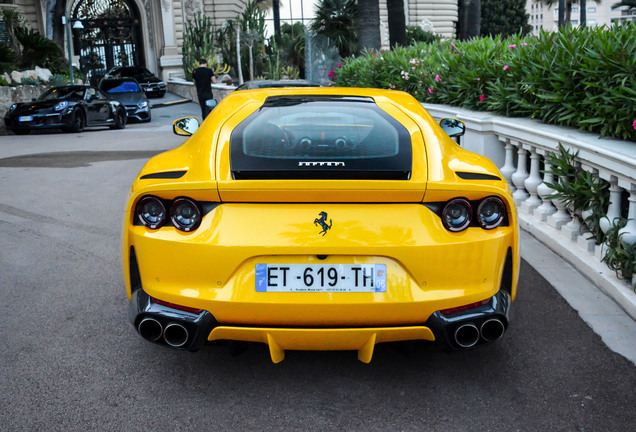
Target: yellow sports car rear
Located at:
point(320, 219)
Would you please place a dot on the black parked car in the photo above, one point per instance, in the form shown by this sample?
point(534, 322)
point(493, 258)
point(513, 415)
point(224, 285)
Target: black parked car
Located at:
point(151, 85)
point(70, 108)
point(128, 92)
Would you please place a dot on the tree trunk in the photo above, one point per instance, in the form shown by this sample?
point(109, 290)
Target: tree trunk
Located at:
point(276, 10)
point(397, 22)
point(474, 19)
point(583, 17)
point(238, 53)
point(250, 48)
point(368, 25)
point(568, 13)
point(58, 28)
point(561, 14)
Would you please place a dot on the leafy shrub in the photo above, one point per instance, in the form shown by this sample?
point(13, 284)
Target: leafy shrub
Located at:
point(416, 34)
point(580, 77)
point(58, 80)
point(620, 257)
point(289, 47)
point(7, 58)
point(579, 189)
point(30, 81)
point(3, 82)
point(38, 50)
point(338, 21)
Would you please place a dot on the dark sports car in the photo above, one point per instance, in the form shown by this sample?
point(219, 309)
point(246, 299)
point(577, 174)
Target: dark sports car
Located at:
point(128, 92)
point(151, 85)
point(70, 108)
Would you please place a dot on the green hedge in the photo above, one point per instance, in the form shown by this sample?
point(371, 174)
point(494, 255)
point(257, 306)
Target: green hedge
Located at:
point(584, 78)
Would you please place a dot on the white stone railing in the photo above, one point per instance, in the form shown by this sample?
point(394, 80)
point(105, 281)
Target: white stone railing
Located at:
point(519, 147)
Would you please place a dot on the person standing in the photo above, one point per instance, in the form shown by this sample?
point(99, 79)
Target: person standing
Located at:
point(203, 80)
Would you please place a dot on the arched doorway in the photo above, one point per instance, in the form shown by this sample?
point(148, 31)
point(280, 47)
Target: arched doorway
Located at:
point(111, 35)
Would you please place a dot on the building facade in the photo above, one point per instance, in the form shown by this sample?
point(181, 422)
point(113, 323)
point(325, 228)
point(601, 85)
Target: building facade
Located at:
point(150, 32)
point(546, 18)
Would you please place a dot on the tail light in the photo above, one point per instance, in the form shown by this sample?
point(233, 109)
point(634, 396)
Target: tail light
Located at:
point(151, 212)
point(490, 212)
point(185, 214)
point(457, 214)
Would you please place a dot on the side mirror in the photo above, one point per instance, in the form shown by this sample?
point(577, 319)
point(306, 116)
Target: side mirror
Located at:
point(453, 127)
point(211, 103)
point(185, 126)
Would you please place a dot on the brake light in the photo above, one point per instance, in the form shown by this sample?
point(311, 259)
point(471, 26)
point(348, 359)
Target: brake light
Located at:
point(464, 308)
point(176, 306)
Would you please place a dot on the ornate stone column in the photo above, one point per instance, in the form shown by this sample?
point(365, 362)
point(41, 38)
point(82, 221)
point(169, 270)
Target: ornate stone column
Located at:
point(170, 60)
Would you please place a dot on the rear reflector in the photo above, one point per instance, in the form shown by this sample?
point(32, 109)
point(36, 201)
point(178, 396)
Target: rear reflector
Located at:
point(464, 308)
point(176, 306)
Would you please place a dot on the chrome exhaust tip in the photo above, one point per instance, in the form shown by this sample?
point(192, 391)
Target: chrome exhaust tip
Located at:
point(150, 329)
point(175, 335)
point(492, 329)
point(467, 335)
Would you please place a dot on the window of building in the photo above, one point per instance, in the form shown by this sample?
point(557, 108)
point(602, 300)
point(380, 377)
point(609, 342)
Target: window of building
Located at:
point(591, 22)
point(292, 11)
point(575, 10)
point(574, 22)
point(591, 10)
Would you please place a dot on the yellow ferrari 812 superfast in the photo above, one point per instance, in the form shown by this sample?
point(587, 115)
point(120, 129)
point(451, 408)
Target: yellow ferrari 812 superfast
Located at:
point(320, 219)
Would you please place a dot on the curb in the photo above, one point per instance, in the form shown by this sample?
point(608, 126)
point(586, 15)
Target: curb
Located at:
point(165, 104)
point(589, 266)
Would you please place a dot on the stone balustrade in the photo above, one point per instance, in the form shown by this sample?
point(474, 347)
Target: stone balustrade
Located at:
point(520, 147)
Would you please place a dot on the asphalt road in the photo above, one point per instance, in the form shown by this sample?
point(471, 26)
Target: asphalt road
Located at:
point(69, 359)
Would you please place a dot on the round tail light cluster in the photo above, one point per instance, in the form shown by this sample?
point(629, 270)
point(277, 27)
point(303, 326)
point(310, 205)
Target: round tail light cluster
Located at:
point(185, 213)
point(458, 213)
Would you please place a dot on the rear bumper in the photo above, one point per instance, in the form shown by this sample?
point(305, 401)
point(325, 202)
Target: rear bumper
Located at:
point(203, 327)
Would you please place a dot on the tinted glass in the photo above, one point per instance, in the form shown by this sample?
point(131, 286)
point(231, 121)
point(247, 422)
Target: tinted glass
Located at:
point(119, 86)
point(320, 137)
point(63, 93)
point(135, 71)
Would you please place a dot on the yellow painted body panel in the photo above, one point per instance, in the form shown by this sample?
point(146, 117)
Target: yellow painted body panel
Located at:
point(271, 221)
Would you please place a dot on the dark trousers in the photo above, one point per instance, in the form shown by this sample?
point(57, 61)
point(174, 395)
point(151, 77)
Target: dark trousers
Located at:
point(204, 108)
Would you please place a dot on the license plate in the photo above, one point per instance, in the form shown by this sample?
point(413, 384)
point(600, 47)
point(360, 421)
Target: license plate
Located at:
point(25, 118)
point(320, 278)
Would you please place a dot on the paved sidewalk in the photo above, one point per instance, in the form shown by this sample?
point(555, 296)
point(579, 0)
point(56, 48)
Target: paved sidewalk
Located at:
point(600, 312)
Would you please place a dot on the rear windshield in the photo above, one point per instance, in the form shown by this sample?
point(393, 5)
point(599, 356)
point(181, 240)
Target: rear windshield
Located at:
point(320, 137)
point(119, 86)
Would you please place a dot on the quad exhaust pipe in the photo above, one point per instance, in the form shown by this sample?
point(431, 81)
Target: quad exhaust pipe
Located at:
point(492, 329)
point(150, 329)
point(174, 334)
point(468, 335)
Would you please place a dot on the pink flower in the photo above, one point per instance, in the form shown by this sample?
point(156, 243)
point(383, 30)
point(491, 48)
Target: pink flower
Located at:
point(452, 47)
point(331, 74)
point(506, 67)
point(634, 124)
point(437, 78)
point(524, 44)
point(478, 79)
point(339, 65)
point(513, 46)
point(375, 55)
point(430, 52)
point(430, 90)
point(481, 98)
